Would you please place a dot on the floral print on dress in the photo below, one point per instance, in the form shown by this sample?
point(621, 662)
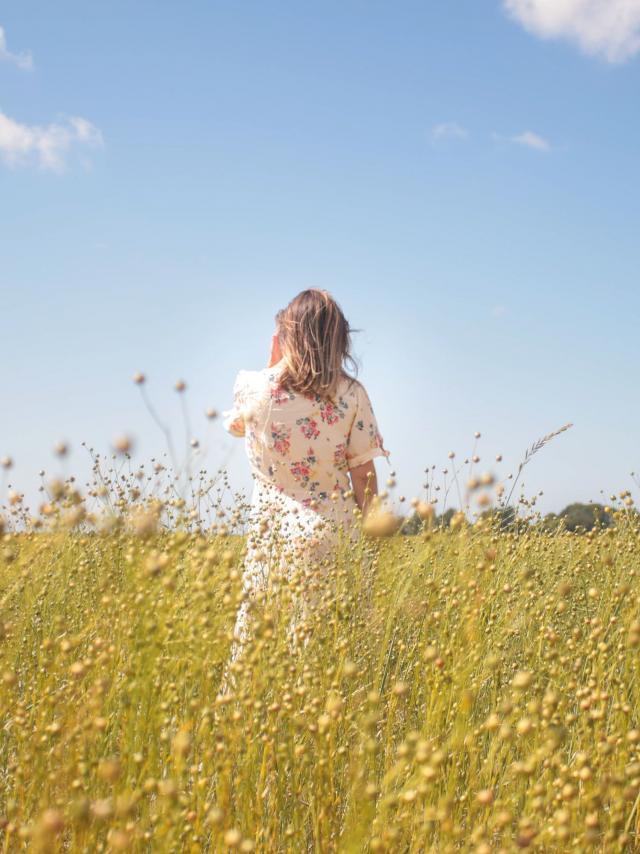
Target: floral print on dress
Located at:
point(280, 436)
point(303, 445)
point(330, 413)
point(340, 455)
point(280, 395)
point(309, 427)
point(304, 468)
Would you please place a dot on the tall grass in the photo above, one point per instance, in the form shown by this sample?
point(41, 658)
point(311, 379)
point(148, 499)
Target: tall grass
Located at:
point(467, 689)
point(471, 688)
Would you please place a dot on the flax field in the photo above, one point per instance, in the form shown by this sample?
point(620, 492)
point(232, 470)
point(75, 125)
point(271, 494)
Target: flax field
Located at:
point(468, 688)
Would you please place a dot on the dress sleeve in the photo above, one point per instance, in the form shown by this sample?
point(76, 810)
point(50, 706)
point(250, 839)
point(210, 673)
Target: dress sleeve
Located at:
point(364, 441)
point(234, 420)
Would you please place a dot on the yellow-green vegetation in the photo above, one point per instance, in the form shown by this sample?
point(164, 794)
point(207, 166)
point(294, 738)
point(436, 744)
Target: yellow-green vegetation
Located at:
point(464, 690)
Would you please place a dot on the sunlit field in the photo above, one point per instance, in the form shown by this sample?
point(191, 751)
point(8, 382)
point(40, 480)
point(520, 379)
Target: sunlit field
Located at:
point(269, 266)
point(463, 689)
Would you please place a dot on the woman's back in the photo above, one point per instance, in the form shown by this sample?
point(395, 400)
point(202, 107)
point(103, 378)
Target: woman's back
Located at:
point(310, 436)
point(302, 444)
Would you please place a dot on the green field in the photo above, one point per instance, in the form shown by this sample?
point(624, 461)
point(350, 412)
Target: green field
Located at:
point(464, 690)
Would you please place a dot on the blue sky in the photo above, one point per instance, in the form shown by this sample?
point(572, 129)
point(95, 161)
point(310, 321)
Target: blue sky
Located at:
point(462, 177)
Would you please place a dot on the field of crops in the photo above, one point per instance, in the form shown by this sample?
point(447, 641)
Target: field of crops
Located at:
point(463, 690)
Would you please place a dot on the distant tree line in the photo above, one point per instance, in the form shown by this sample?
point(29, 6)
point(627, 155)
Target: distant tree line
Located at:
point(414, 524)
point(576, 518)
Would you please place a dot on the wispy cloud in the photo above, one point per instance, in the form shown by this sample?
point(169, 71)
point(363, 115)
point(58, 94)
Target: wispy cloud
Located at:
point(527, 138)
point(531, 140)
point(606, 28)
point(447, 131)
point(23, 60)
point(47, 146)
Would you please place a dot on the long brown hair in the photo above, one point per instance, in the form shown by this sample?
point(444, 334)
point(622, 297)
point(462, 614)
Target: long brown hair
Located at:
point(315, 342)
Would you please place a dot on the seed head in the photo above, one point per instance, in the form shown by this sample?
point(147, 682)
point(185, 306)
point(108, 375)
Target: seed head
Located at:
point(145, 520)
point(381, 523)
point(51, 821)
point(77, 670)
point(214, 816)
point(522, 679)
point(167, 788)
point(119, 840)
point(457, 520)
point(181, 744)
point(109, 770)
point(232, 838)
point(425, 510)
point(123, 444)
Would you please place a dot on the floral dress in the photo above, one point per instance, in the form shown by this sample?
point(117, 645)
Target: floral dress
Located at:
point(300, 448)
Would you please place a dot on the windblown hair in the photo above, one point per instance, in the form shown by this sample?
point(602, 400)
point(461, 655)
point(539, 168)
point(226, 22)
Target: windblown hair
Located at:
point(315, 342)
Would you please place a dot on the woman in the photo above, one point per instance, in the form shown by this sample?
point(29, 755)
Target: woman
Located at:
point(311, 437)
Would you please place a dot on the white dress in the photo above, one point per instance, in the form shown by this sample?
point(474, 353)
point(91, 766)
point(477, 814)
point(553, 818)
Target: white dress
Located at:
point(300, 448)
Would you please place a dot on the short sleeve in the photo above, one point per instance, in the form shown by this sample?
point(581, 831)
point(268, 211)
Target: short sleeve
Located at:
point(364, 441)
point(234, 420)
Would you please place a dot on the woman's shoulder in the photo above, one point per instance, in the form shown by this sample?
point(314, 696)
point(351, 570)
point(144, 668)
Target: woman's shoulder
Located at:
point(245, 380)
point(350, 386)
point(254, 380)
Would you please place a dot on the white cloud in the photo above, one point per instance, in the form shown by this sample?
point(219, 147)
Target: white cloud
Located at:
point(22, 60)
point(47, 146)
point(448, 131)
point(531, 140)
point(607, 28)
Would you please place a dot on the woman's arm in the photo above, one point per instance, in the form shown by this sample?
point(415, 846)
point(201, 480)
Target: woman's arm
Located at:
point(276, 352)
point(365, 484)
point(234, 421)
